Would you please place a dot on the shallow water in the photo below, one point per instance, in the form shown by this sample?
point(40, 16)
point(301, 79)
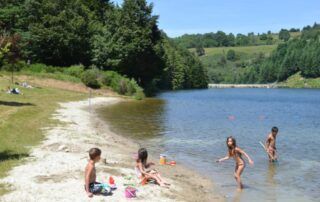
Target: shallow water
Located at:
point(191, 127)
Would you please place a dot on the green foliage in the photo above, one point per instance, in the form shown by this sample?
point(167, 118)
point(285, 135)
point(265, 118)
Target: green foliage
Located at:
point(221, 39)
point(284, 35)
point(231, 55)
point(122, 85)
point(125, 39)
point(75, 70)
point(90, 78)
point(298, 54)
point(200, 51)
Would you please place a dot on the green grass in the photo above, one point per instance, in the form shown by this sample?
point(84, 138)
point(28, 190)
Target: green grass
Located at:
point(230, 71)
point(22, 117)
point(297, 81)
point(58, 76)
point(248, 50)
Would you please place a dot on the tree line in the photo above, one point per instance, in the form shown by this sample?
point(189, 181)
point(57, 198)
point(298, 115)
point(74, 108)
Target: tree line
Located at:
point(222, 39)
point(100, 34)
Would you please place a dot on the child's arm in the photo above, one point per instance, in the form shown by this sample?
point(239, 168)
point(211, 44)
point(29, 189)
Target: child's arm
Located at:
point(223, 159)
point(87, 179)
point(142, 170)
point(246, 155)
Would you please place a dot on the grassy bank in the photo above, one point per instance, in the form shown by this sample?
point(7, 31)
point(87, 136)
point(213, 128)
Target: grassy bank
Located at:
point(23, 116)
point(297, 81)
point(224, 70)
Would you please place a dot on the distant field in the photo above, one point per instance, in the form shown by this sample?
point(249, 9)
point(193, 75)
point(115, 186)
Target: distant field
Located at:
point(228, 71)
point(266, 49)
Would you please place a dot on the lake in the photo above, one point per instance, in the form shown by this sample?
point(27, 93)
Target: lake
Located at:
point(191, 128)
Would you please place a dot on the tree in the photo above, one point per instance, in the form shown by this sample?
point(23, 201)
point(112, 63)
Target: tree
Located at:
point(13, 55)
point(58, 32)
point(200, 50)
point(284, 35)
point(263, 37)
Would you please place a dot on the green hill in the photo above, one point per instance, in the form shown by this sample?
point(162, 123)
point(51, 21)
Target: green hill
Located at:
point(227, 70)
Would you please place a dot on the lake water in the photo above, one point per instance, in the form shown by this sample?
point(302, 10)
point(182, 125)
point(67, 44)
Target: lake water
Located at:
point(191, 128)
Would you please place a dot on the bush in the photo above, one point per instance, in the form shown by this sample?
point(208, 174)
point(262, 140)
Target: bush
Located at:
point(90, 78)
point(36, 68)
point(75, 70)
point(231, 55)
point(122, 85)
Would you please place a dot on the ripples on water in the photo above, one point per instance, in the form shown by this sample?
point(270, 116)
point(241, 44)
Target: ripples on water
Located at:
point(191, 127)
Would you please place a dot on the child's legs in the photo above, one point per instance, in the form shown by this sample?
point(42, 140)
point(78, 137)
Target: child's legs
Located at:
point(238, 171)
point(157, 178)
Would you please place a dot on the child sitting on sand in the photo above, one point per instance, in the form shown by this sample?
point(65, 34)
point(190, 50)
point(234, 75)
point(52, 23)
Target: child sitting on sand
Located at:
point(91, 186)
point(236, 153)
point(143, 170)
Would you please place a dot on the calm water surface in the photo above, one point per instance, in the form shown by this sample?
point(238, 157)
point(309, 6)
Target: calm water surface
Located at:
point(191, 127)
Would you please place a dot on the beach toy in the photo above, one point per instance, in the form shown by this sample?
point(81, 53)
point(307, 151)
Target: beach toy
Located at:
point(173, 163)
point(162, 159)
point(130, 192)
point(112, 183)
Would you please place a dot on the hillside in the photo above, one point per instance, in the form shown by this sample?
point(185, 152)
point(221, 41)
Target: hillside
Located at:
point(221, 69)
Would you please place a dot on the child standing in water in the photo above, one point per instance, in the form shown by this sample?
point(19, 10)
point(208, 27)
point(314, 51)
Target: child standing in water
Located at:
point(271, 144)
point(236, 153)
point(144, 173)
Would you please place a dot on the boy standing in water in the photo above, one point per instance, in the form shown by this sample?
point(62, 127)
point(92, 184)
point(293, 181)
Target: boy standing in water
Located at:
point(271, 144)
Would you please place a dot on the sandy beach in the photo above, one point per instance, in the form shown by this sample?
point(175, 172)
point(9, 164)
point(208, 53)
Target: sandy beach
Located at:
point(55, 169)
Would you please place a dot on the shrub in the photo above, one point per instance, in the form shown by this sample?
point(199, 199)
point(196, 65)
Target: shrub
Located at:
point(90, 78)
point(231, 55)
point(36, 68)
point(122, 85)
point(75, 70)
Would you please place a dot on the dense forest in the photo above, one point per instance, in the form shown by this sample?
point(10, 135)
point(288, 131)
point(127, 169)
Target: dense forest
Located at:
point(97, 34)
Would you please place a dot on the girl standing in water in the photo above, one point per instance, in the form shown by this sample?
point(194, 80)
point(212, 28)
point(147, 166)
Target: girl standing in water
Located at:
point(236, 153)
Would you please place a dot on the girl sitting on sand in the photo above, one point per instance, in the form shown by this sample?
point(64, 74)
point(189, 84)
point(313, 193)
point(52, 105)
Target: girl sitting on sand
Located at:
point(143, 170)
point(236, 153)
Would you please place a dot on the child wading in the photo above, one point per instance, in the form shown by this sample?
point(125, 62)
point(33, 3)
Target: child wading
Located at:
point(144, 173)
point(236, 153)
point(271, 145)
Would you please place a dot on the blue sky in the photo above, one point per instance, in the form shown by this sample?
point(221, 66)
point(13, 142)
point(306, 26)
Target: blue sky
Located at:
point(178, 17)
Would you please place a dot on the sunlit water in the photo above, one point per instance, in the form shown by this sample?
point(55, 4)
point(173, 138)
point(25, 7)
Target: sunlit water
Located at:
point(191, 127)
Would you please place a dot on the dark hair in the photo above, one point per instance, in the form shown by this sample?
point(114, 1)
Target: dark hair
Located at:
point(143, 155)
point(94, 152)
point(232, 148)
point(274, 129)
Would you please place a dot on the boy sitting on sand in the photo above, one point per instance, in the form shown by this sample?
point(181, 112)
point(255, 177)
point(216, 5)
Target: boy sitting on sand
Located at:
point(91, 186)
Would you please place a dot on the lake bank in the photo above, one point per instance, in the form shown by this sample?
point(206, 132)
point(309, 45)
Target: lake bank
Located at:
point(58, 163)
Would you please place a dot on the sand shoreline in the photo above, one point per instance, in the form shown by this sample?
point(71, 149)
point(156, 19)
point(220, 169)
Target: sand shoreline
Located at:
point(54, 170)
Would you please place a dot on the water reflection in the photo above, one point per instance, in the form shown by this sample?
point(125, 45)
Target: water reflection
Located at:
point(136, 119)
